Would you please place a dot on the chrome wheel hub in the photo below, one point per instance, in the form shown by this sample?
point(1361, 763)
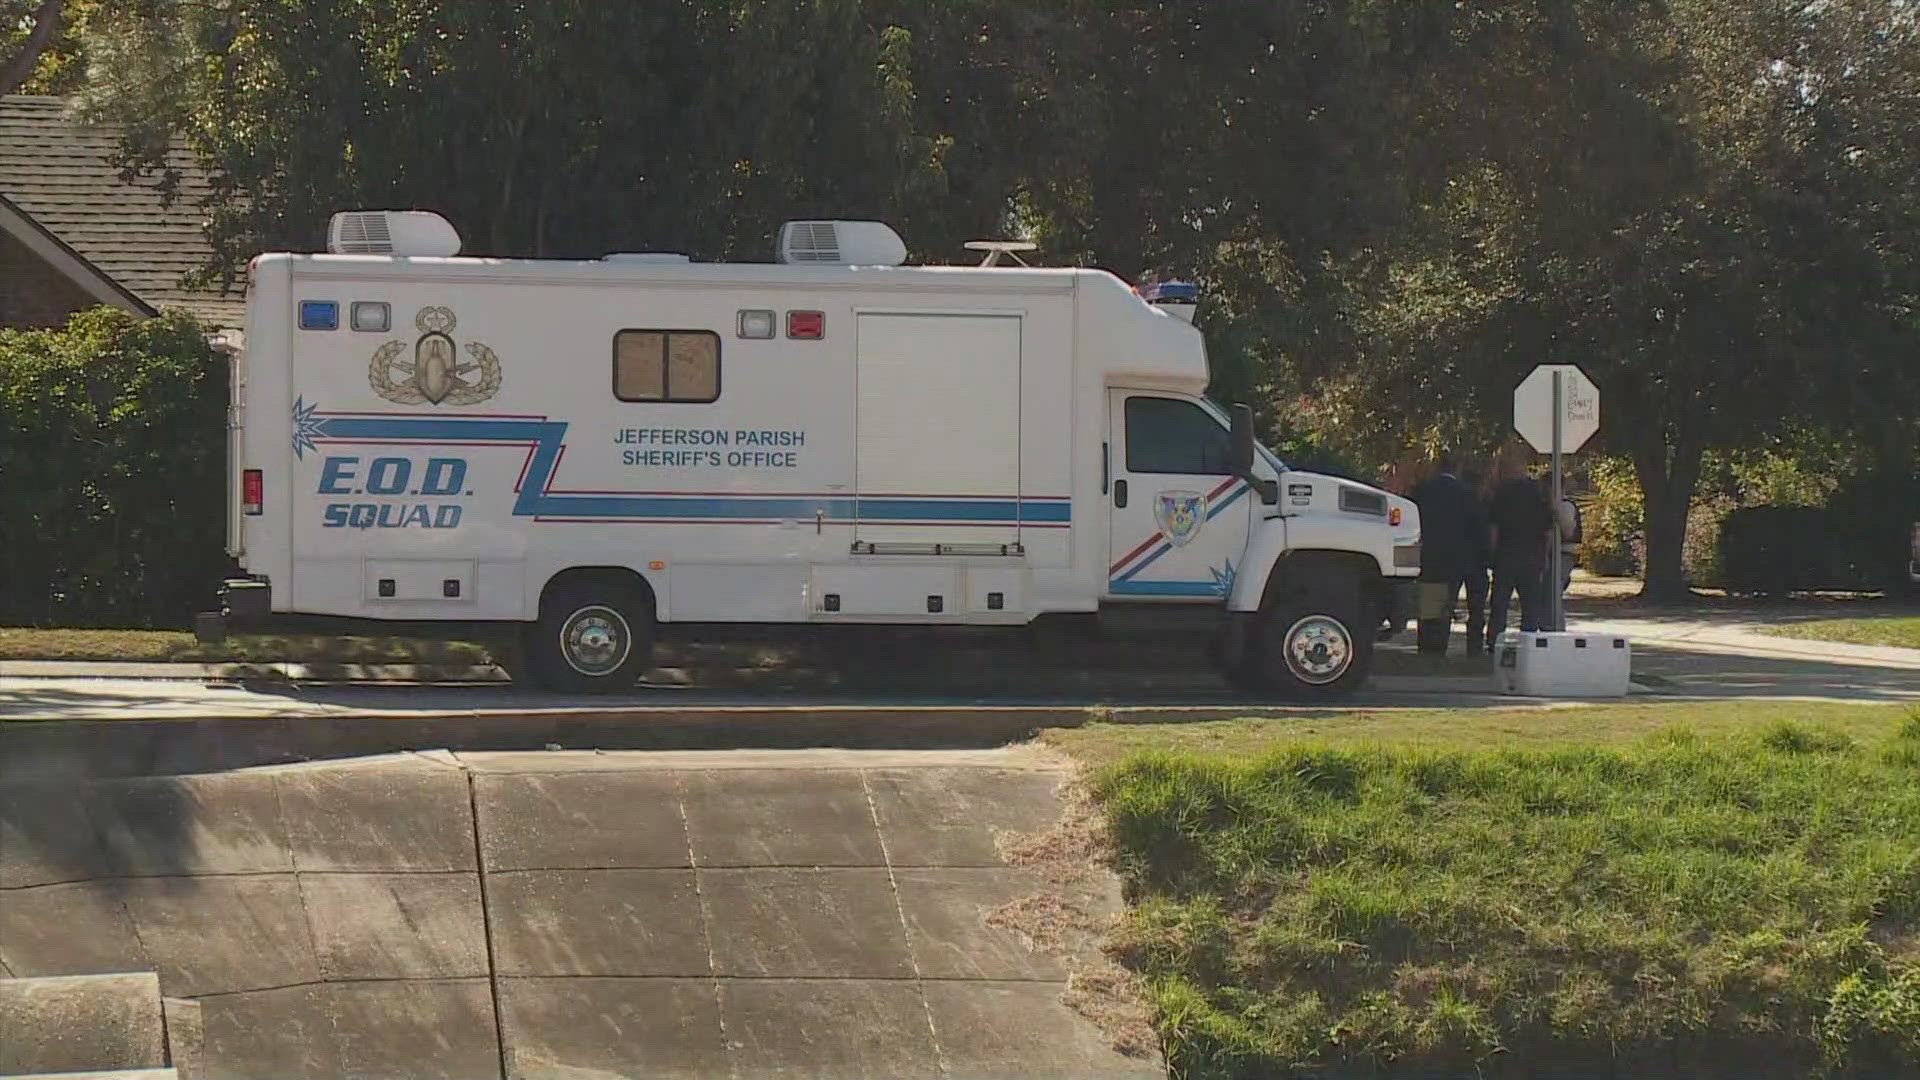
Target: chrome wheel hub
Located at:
point(1318, 649)
point(595, 640)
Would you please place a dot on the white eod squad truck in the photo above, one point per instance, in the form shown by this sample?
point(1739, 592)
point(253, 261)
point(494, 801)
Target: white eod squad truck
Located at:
point(596, 448)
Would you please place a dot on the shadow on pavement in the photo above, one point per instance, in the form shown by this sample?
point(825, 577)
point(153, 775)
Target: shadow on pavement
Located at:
point(60, 822)
point(1739, 610)
point(1721, 675)
point(23, 697)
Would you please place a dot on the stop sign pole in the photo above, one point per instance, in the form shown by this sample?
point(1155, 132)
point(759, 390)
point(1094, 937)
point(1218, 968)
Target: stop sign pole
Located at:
point(1556, 599)
point(1556, 409)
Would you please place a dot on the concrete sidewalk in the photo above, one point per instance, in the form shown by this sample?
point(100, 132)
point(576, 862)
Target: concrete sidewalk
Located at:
point(1202, 683)
point(86, 690)
point(1726, 657)
point(753, 914)
point(1743, 638)
point(237, 671)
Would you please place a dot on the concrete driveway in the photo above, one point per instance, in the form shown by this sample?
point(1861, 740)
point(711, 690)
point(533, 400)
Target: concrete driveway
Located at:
point(580, 914)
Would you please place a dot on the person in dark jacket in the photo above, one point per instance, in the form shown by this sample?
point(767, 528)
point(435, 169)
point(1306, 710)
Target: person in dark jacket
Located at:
point(1521, 520)
point(1453, 536)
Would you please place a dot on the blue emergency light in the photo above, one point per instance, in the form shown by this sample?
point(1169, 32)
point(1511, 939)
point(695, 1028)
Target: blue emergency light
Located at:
point(319, 315)
point(1171, 292)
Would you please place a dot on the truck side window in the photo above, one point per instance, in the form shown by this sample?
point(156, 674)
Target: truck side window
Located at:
point(1167, 435)
point(666, 365)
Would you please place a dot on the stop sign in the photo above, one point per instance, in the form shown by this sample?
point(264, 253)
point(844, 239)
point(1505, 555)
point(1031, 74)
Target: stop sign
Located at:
point(1579, 408)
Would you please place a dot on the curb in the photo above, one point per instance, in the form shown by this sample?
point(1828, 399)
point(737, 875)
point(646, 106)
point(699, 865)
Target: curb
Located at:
point(176, 671)
point(69, 749)
point(79, 749)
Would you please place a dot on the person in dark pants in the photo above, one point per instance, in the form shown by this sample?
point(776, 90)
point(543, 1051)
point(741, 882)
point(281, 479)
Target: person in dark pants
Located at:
point(1522, 531)
point(1452, 554)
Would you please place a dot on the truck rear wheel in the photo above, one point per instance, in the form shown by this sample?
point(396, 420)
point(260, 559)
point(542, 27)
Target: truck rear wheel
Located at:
point(591, 638)
point(1314, 644)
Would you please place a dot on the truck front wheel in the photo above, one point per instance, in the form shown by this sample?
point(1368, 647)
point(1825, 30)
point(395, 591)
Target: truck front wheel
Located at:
point(1316, 644)
point(590, 639)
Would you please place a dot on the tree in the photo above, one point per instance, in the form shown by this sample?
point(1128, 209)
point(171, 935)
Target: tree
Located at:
point(1259, 148)
point(562, 129)
point(1710, 208)
point(1397, 209)
point(26, 34)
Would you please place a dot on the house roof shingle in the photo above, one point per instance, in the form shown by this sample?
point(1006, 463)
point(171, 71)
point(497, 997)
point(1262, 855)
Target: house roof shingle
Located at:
point(60, 172)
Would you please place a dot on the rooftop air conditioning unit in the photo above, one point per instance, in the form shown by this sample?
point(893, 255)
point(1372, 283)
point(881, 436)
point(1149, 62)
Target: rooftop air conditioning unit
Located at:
point(391, 232)
point(841, 243)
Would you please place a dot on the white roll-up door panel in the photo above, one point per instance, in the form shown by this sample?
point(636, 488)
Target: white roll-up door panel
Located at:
point(937, 458)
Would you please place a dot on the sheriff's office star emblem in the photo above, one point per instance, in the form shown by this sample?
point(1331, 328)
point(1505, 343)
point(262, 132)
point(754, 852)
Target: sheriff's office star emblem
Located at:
point(1179, 515)
point(436, 375)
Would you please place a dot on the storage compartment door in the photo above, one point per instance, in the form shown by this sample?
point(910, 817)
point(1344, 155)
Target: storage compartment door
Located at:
point(440, 581)
point(905, 591)
point(937, 433)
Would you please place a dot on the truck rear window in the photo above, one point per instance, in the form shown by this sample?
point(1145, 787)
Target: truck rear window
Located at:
point(666, 365)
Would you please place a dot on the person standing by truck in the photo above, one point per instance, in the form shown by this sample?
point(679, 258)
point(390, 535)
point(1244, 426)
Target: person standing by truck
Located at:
point(1452, 554)
point(1569, 537)
point(1521, 531)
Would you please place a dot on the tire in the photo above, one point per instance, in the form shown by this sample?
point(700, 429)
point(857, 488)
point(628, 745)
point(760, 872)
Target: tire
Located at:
point(593, 637)
point(1314, 645)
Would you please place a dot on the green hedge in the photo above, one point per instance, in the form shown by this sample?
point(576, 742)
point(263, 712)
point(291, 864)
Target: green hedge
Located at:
point(1737, 912)
point(1858, 541)
point(112, 452)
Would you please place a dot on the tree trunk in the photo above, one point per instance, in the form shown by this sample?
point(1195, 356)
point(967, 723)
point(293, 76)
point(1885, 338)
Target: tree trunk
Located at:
point(1664, 576)
point(18, 69)
point(1668, 478)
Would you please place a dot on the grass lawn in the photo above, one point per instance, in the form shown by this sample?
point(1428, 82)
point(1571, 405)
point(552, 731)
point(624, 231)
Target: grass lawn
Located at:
point(1604, 891)
point(1899, 630)
point(27, 643)
point(1621, 725)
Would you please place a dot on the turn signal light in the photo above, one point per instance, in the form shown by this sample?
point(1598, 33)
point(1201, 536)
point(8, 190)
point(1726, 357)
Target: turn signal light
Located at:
point(1393, 516)
point(252, 492)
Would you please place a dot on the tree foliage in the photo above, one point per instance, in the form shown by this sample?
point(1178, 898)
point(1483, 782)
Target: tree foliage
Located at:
point(1397, 208)
point(1710, 207)
point(38, 46)
point(564, 129)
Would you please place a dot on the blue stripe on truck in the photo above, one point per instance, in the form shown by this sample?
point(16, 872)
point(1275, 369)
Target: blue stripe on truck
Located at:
point(1165, 588)
point(546, 435)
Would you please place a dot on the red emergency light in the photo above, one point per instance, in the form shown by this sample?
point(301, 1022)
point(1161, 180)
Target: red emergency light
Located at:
point(807, 325)
point(252, 492)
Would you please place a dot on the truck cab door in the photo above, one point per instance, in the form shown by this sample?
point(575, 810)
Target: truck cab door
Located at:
point(1179, 518)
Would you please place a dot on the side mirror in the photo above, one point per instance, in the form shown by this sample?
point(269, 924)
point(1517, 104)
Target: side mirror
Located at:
point(1240, 453)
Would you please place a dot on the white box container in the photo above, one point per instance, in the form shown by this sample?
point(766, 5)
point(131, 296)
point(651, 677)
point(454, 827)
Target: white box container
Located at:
point(1562, 664)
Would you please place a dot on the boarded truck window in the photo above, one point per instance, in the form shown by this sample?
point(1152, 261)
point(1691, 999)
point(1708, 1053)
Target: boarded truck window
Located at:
point(666, 365)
